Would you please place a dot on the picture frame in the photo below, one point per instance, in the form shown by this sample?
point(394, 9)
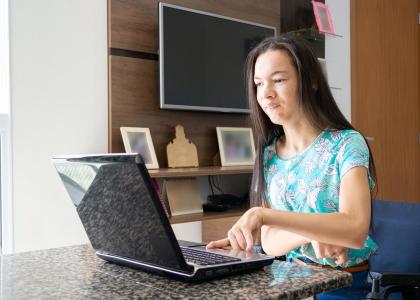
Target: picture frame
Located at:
point(236, 146)
point(323, 17)
point(139, 140)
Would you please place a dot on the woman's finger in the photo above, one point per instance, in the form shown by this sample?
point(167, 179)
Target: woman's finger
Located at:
point(218, 244)
point(233, 241)
point(332, 251)
point(249, 240)
point(342, 258)
point(329, 252)
point(239, 238)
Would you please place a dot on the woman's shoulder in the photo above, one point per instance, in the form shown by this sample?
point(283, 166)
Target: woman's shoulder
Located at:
point(344, 136)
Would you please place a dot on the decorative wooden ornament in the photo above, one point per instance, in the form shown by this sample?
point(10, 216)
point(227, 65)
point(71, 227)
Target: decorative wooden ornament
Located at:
point(180, 151)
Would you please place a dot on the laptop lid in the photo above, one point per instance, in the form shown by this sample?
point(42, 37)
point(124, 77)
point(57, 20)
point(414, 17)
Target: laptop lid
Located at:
point(119, 207)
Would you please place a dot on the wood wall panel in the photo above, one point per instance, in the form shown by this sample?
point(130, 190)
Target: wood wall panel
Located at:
point(134, 23)
point(134, 103)
point(216, 229)
point(133, 82)
point(385, 91)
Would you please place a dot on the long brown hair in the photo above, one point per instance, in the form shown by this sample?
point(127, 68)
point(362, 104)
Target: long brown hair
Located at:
point(318, 104)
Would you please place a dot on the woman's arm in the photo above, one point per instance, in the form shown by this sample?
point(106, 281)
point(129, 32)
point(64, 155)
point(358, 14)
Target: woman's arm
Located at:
point(277, 242)
point(274, 241)
point(347, 228)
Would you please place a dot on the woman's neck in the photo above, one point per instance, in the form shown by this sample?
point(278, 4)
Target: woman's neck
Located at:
point(296, 139)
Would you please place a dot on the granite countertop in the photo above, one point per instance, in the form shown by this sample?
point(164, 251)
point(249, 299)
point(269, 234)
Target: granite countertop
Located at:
point(77, 273)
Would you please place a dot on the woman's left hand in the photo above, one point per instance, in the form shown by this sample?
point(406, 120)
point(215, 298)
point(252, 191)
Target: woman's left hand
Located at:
point(244, 233)
point(330, 251)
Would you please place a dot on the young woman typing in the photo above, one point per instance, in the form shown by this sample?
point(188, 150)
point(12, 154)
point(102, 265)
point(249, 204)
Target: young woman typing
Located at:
point(314, 173)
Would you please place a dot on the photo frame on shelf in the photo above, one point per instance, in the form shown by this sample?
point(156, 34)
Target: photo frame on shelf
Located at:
point(139, 140)
point(236, 146)
point(323, 17)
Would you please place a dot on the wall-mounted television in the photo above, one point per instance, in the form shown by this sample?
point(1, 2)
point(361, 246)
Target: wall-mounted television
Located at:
point(201, 59)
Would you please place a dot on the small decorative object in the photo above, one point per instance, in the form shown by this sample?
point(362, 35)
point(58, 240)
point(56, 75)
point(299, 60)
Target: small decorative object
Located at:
point(139, 140)
point(236, 146)
point(181, 152)
point(323, 17)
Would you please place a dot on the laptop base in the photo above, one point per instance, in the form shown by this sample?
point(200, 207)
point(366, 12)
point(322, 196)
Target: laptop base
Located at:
point(197, 276)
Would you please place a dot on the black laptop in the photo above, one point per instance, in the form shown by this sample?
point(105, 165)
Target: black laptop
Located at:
point(126, 223)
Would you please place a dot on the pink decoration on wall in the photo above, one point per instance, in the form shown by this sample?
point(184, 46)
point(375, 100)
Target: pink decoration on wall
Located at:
point(323, 17)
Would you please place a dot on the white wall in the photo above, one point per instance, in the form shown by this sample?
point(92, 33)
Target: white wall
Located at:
point(337, 55)
point(59, 106)
point(5, 148)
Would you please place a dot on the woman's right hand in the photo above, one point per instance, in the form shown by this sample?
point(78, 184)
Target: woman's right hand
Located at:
point(330, 251)
point(244, 233)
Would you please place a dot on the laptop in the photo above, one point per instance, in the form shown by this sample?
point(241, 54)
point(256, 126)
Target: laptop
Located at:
point(126, 223)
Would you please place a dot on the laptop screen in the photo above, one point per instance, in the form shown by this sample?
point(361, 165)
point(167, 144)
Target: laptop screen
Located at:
point(119, 208)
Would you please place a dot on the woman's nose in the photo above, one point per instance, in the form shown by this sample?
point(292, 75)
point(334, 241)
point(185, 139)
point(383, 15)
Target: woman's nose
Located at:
point(268, 91)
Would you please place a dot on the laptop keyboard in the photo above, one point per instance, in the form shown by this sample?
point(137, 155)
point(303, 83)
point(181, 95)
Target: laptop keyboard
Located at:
point(205, 258)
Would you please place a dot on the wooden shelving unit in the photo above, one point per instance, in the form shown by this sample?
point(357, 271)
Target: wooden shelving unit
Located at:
point(199, 171)
point(208, 215)
point(203, 171)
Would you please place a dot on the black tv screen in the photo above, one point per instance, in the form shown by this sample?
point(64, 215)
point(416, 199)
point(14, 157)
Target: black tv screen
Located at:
point(201, 59)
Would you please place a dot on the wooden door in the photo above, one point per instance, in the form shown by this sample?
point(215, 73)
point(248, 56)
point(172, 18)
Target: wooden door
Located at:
point(385, 91)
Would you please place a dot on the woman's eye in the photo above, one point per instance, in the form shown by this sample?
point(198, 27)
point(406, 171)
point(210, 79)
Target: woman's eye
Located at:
point(278, 80)
point(258, 84)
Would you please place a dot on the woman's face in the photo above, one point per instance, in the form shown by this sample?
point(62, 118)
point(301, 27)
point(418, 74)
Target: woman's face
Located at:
point(277, 87)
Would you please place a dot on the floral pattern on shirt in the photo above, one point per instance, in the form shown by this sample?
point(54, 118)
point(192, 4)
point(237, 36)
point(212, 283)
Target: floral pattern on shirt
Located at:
point(310, 182)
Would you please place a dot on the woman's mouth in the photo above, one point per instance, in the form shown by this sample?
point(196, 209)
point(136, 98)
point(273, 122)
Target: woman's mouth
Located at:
point(272, 106)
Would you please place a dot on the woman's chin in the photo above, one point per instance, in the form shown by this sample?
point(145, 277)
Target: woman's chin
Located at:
point(276, 120)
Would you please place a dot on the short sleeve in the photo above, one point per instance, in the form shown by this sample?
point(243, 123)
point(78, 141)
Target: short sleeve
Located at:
point(353, 152)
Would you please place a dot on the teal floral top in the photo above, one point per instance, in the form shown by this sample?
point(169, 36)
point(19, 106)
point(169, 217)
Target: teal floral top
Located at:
point(310, 182)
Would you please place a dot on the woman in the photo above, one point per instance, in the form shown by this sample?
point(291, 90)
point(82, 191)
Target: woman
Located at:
point(314, 172)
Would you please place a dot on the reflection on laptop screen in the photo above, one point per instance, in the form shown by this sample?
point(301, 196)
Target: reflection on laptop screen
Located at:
point(115, 205)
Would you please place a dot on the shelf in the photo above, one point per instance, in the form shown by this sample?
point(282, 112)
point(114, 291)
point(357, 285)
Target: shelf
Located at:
point(199, 171)
point(235, 212)
point(313, 34)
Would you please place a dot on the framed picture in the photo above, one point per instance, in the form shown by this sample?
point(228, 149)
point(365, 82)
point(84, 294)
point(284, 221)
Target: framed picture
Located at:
point(139, 140)
point(323, 17)
point(236, 146)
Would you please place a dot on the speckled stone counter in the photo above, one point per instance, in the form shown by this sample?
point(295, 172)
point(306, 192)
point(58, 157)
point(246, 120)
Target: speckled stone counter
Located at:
point(76, 273)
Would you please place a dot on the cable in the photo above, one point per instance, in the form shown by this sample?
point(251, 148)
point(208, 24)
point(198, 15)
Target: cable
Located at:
point(217, 186)
point(210, 184)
